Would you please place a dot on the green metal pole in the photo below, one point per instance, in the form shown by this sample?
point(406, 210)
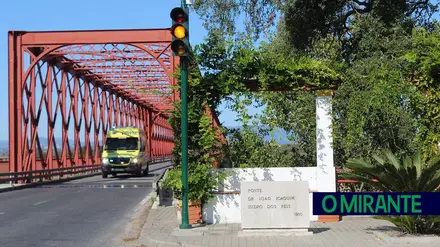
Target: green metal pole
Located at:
point(184, 128)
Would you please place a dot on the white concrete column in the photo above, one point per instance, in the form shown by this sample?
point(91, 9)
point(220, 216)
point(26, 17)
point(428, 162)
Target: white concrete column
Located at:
point(325, 172)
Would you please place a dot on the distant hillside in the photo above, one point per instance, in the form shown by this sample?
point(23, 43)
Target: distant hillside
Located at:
point(279, 135)
point(4, 144)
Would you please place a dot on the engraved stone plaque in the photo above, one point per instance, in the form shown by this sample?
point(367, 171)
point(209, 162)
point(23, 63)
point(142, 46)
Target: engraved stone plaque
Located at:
point(275, 204)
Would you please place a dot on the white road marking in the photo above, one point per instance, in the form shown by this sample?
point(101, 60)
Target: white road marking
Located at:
point(38, 203)
point(82, 190)
point(2, 213)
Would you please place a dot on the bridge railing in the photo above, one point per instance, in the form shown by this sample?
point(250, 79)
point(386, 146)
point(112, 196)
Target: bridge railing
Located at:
point(59, 173)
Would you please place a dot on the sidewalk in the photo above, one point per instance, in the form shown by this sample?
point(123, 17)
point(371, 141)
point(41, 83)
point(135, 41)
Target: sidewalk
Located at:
point(162, 225)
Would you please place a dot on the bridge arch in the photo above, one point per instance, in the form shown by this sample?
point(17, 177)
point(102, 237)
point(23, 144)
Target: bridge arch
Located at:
point(81, 98)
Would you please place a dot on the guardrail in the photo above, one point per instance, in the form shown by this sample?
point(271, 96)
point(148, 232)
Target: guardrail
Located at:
point(346, 181)
point(48, 174)
point(349, 184)
point(65, 172)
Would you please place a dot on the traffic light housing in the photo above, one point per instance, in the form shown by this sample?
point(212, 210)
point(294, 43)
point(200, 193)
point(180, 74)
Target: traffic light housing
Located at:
point(180, 32)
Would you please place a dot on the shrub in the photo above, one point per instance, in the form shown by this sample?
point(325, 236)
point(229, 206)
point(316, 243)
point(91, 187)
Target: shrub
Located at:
point(407, 174)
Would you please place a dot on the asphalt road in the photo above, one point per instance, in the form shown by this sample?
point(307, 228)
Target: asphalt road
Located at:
point(85, 212)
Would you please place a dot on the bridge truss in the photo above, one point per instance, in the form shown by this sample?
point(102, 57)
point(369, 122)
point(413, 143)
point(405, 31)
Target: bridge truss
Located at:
point(67, 88)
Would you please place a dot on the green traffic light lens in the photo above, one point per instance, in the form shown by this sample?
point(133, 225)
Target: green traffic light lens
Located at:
point(179, 47)
point(181, 50)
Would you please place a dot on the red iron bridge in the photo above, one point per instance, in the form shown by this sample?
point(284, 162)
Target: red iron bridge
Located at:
point(67, 88)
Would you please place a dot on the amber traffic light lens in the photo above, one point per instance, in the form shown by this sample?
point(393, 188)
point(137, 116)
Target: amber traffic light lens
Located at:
point(179, 32)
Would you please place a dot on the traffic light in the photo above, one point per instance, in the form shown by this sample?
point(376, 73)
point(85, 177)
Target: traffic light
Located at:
point(179, 31)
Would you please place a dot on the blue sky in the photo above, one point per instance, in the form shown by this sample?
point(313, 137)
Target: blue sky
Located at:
point(42, 15)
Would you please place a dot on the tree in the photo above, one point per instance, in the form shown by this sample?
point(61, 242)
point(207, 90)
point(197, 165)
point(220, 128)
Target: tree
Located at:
point(247, 148)
point(375, 107)
point(307, 20)
point(423, 65)
point(295, 113)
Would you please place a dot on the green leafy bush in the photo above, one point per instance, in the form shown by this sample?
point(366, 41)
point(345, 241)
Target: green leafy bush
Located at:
point(415, 224)
point(404, 174)
point(202, 181)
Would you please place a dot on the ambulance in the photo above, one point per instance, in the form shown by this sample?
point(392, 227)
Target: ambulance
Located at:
point(124, 151)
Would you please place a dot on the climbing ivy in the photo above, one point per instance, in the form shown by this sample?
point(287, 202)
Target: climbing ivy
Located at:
point(203, 142)
point(226, 67)
point(423, 61)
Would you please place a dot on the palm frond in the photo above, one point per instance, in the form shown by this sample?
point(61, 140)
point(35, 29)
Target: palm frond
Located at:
point(435, 219)
point(407, 162)
point(392, 159)
point(433, 161)
point(431, 186)
point(357, 162)
point(418, 163)
point(378, 159)
point(430, 173)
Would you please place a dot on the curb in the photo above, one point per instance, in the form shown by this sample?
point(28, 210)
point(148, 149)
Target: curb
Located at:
point(151, 242)
point(406, 240)
point(35, 184)
point(141, 213)
point(157, 183)
point(156, 187)
point(139, 219)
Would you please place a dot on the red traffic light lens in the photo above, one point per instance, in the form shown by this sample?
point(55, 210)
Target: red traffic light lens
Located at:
point(178, 15)
point(180, 18)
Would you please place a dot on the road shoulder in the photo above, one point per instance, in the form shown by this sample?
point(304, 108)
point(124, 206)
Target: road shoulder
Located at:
point(137, 221)
point(142, 211)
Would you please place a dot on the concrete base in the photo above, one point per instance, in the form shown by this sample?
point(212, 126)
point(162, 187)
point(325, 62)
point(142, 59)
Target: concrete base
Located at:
point(329, 218)
point(274, 232)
